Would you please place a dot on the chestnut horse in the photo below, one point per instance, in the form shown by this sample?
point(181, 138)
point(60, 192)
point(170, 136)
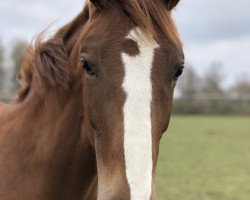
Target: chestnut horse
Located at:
point(132, 56)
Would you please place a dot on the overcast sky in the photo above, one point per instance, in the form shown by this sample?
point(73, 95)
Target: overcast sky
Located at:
point(212, 31)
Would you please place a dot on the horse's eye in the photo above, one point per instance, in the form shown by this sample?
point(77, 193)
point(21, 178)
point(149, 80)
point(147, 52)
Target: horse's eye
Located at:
point(87, 68)
point(178, 73)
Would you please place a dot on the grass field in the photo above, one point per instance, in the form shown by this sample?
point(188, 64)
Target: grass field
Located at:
point(205, 158)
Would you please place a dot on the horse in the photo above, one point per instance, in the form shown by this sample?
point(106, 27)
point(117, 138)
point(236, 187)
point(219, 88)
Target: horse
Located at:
point(43, 153)
point(132, 56)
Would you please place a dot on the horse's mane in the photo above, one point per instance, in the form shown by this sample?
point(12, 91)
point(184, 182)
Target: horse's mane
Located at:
point(48, 63)
point(49, 60)
point(149, 15)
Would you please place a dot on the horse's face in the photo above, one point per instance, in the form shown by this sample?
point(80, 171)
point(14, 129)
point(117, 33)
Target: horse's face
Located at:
point(129, 84)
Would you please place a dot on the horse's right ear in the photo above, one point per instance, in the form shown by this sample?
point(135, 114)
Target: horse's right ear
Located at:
point(53, 62)
point(98, 4)
point(171, 3)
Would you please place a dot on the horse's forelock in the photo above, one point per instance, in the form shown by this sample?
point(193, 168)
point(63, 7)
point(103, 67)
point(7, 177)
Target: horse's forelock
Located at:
point(149, 15)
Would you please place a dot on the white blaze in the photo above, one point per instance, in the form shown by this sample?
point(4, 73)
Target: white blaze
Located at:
point(137, 85)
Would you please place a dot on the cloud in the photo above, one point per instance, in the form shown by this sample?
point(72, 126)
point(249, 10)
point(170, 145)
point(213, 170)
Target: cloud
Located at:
point(216, 31)
point(208, 21)
point(212, 30)
point(24, 19)
point(232, 54)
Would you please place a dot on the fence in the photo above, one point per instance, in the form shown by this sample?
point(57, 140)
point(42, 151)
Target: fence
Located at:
point(212, 104)
point(199, 104)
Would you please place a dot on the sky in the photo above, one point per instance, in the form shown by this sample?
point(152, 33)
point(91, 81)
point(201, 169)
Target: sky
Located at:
point(214, 31)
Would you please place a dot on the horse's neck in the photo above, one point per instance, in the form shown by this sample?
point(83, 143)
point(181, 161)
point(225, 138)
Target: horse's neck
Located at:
point(1, 104)
point(43, 153)
point(71, 158)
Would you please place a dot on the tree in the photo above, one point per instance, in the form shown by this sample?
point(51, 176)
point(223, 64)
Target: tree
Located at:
point(17, 54)
point(1, 67)
point(212, 82)
point(242, 88)
point(212, 92)
point(189, 84)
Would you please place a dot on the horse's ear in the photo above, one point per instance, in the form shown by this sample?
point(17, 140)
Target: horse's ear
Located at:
point(171, 3)
point(53, 63)
point(98, 4)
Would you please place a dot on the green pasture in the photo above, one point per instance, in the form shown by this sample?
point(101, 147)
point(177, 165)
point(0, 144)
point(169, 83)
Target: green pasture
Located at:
point(205, 158)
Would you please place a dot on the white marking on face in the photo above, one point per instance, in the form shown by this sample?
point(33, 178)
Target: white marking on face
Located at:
point(137, 85)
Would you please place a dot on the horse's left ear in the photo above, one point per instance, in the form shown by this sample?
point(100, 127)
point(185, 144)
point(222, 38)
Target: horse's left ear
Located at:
point(171, 3)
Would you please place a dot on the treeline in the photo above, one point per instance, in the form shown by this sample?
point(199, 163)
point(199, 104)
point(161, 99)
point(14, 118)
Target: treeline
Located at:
point(195, 94)
point(10, 62)
point(206, 94)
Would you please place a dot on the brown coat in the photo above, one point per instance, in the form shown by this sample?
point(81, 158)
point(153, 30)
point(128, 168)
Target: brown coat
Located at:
point(43, 153)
